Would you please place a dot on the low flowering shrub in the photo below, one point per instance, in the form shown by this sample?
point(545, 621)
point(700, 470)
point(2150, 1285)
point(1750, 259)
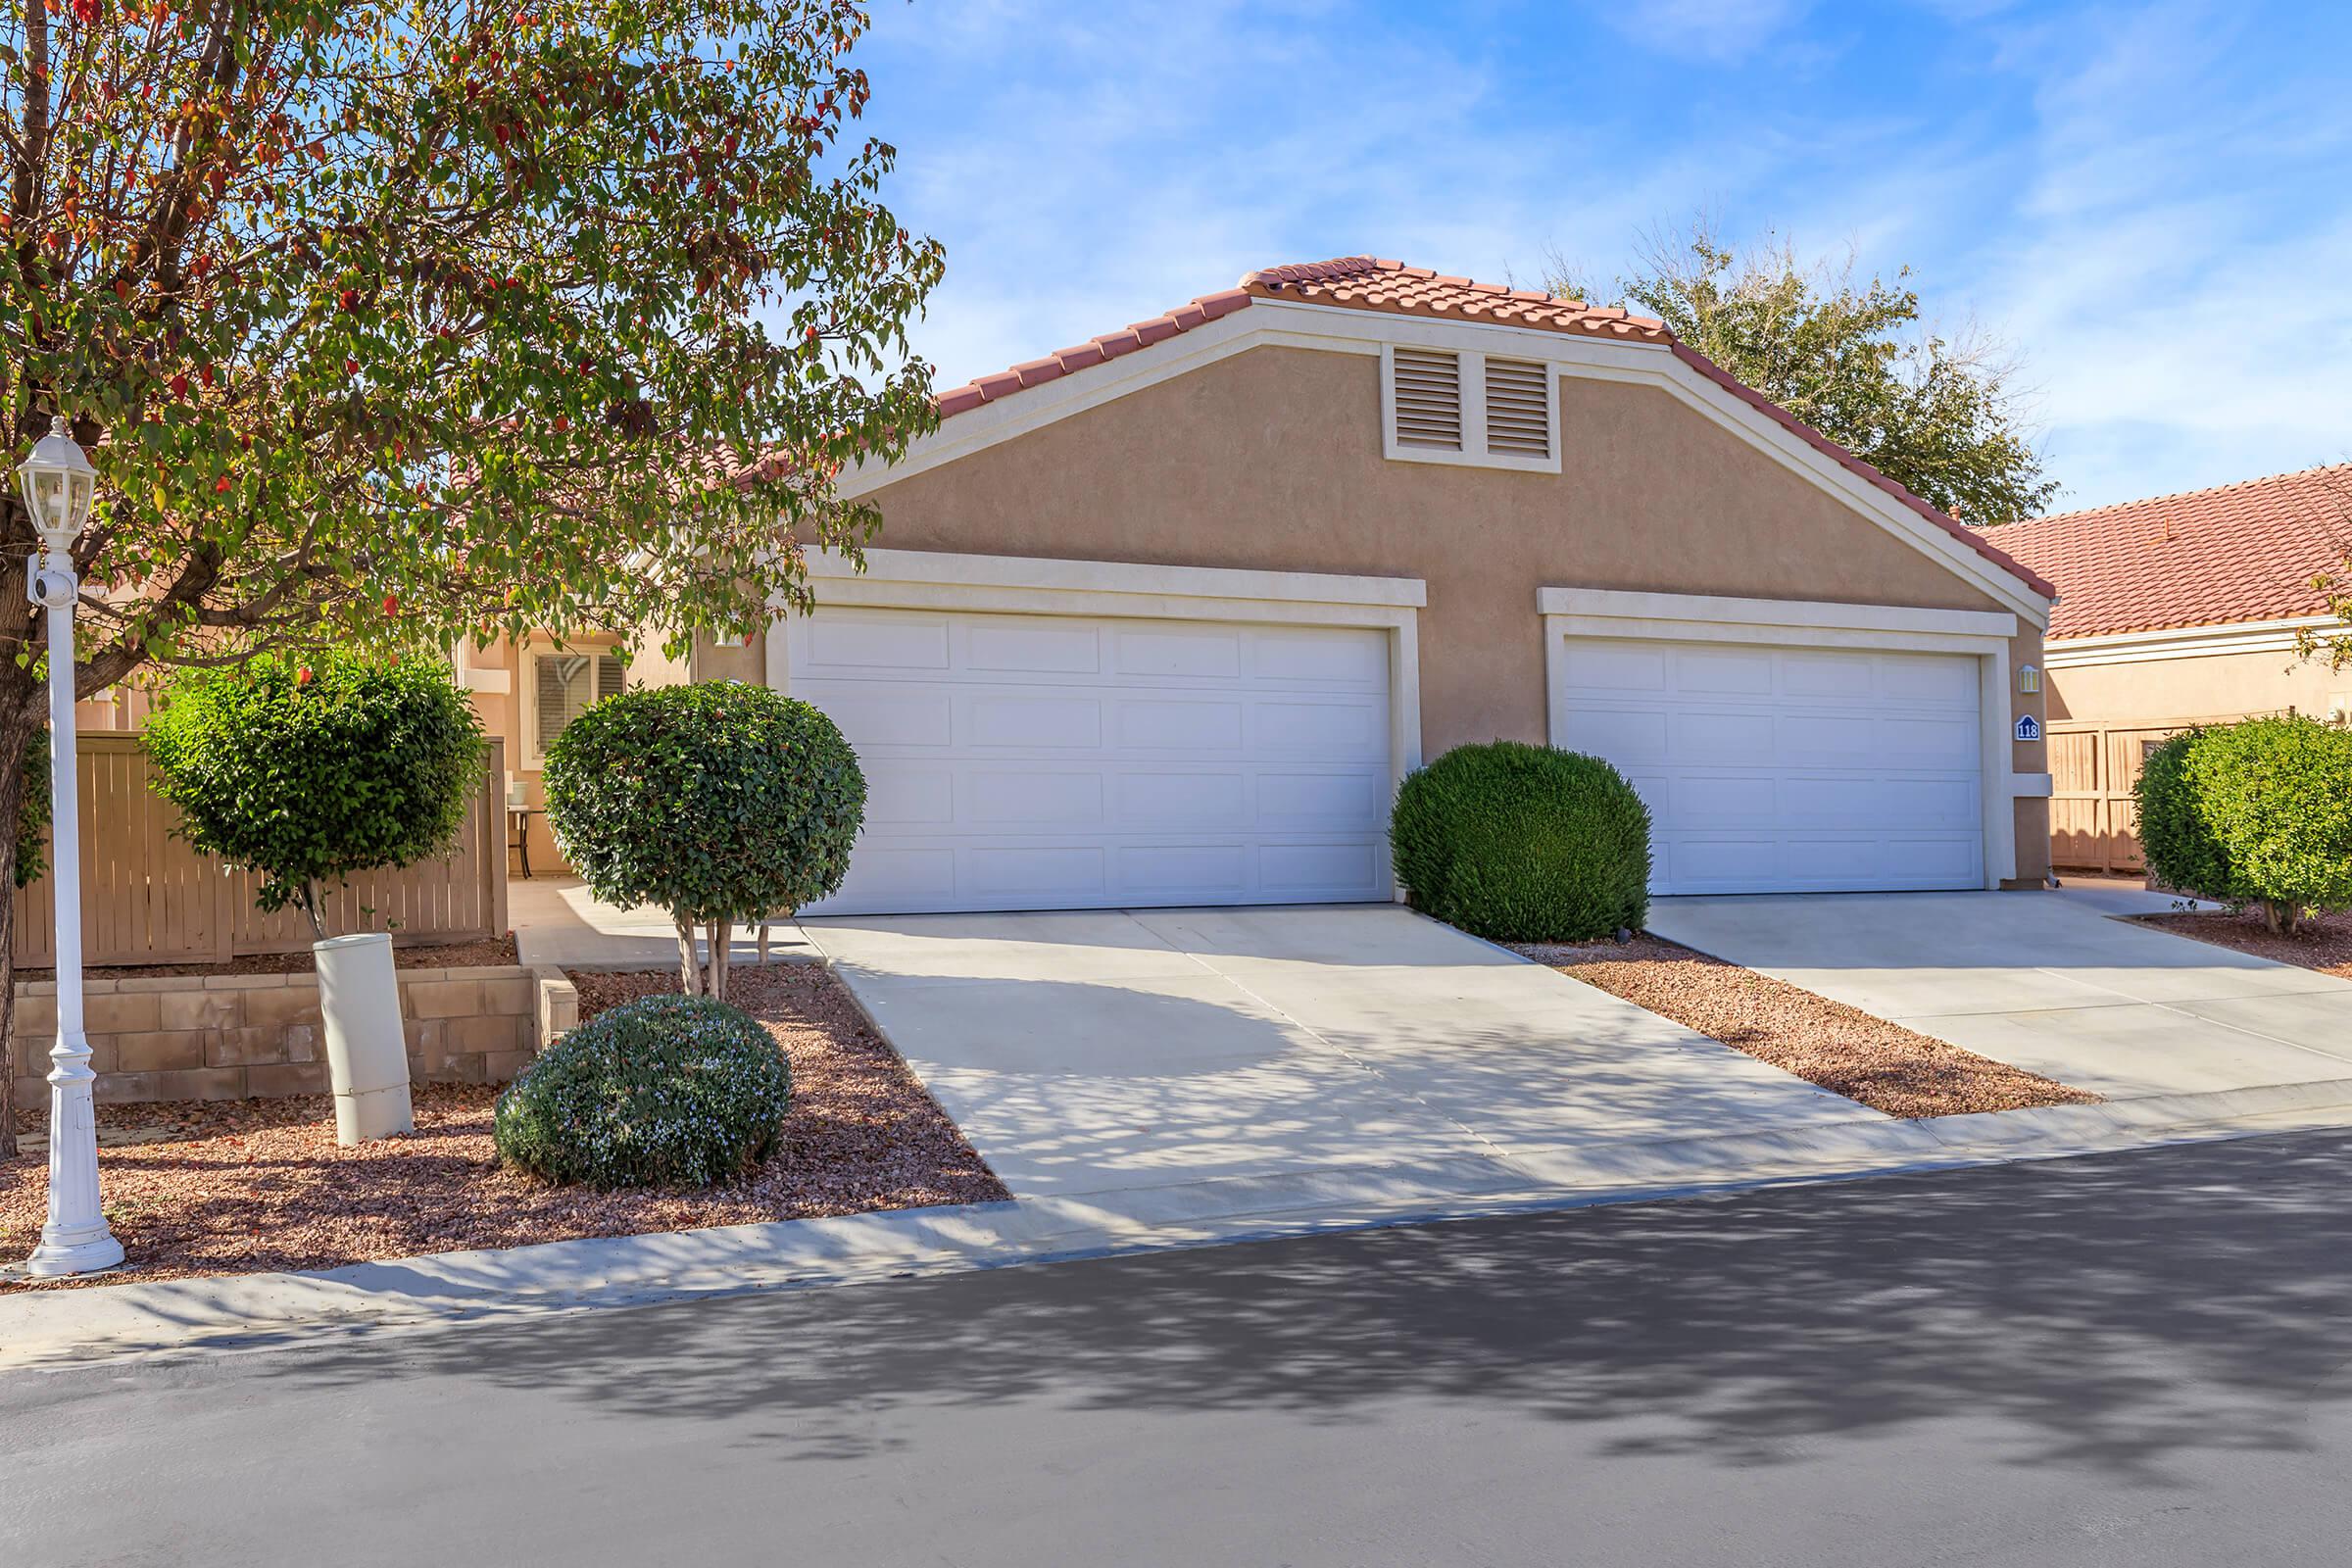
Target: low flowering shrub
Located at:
point(667, 1090)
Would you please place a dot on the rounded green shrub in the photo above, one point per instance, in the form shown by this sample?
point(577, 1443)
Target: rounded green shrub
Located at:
point(2182, 849)
point(665, 1091)
point(309, 768)
point(1520, 843)
point(2276, 793)
point(716, 800)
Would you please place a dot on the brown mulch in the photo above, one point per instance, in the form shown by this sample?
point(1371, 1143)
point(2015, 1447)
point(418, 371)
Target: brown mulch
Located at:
point(421, 956)
point(1826, 1043)
point(2324, 943)
point(261, 1184)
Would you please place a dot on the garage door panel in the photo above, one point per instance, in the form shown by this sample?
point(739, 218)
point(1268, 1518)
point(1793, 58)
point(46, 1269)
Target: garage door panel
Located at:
point(1614, 668)
point(911, 795)
point(1807, 738)
point(1031, 798)
point(1949, 742)
point(1952, 681)
point(1031, 722)
point(1345, 731)
point(1211, 653)
point(853, 640)
point(1320, 658)
point(1729, 736)
point(1726, 672)
point(1182, 873)
point(1187, 800)
point(874, 716)
point(1062, 762)
point(1836, 769)
point(1187, 726)
point(1307, 799)
point(1034, 647)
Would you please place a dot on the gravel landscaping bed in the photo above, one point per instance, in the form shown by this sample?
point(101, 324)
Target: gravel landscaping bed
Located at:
point(237, 1187)
point(1826, 1043)
point(2324, 943)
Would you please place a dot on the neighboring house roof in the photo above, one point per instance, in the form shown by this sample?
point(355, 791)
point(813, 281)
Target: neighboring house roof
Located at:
point(1367, 283)
point(2206, 558)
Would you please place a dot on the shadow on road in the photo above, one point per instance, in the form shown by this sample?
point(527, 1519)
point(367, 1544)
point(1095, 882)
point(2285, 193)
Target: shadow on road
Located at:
point(2116, 1311)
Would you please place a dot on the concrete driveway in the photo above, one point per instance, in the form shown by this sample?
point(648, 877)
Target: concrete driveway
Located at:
point(2044, 981)
point(1105, 1050)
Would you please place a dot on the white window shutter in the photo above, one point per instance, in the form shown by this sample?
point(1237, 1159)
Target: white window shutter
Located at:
point(612, 676)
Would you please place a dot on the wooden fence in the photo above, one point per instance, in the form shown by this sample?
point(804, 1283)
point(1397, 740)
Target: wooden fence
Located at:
point(147, 897)
point(2094, 768)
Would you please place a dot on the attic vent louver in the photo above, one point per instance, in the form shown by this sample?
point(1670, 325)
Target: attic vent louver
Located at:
point(1426, 400)
point(1518, 409)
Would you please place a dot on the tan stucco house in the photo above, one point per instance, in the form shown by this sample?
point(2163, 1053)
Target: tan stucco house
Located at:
point(1161, 619)
point(2175, 610)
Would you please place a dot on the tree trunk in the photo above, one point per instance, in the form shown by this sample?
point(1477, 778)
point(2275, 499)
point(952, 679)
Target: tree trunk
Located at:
point(722, 939)
point(690, 972)
point(16, 1056)
point(309, 906)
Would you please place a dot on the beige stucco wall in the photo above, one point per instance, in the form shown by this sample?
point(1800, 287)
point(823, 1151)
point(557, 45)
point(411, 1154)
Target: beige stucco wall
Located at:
point(1272, 459)
point(2173, 691)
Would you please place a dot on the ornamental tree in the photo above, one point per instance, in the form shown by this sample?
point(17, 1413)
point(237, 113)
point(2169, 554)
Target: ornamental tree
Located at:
point(1940, 415)
point(718, 802)
point(309, 771)
point(399, 320)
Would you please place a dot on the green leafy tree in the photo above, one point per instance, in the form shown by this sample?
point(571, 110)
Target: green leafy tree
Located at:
point(397, 320)
point(2333, 582)
point(312, 771)
point(718, 802)
point(1941, 416)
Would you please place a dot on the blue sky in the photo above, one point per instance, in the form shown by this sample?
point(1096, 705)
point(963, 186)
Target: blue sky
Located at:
point(2150, 205)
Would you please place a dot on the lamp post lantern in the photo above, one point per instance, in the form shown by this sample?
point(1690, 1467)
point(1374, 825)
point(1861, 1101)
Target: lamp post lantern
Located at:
point(59, 484)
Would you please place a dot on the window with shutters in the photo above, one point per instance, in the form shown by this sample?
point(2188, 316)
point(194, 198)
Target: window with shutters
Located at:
point(1465, 407)
point(563, 683)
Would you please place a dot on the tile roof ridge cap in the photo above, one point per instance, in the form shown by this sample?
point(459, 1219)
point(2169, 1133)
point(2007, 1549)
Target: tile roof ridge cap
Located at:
point(2183, 495)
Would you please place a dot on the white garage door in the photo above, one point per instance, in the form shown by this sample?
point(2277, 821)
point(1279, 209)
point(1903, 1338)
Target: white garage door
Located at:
point(1042, 762)
point(1772, 769)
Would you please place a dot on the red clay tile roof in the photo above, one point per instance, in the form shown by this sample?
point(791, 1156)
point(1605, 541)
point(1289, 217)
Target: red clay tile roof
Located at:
point(2207, 558)
point(1368, 283)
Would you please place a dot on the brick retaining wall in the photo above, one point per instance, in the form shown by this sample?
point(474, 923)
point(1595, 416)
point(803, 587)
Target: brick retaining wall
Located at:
point(228, 1036)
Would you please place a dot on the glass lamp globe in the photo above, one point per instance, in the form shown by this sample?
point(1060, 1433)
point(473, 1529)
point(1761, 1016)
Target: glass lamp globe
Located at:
point(58, 485)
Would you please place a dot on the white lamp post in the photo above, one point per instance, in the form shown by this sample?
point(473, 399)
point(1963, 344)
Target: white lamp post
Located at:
point(59, 485)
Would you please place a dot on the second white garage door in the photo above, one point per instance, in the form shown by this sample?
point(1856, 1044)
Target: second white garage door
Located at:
point(1043, 762)
point(1787, 769)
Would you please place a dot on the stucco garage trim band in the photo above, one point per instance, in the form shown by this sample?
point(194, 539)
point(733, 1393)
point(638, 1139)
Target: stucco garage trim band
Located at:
point(1581, 613)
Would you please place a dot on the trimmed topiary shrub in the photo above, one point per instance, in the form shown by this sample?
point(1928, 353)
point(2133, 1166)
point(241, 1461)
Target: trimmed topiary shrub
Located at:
point(667, 1090)
point(718, 802)
point(1519, 843)
point(309, 769)
point(2275, 794)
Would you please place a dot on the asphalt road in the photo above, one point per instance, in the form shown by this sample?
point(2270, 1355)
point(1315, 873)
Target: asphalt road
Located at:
point(2134, 1359)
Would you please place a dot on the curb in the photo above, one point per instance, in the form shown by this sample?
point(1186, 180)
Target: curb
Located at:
point(59, 1328)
